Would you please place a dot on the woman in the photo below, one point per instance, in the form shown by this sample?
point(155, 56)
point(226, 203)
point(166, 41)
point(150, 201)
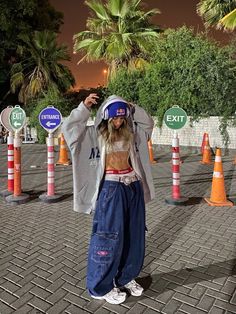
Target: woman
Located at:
point(112, 175)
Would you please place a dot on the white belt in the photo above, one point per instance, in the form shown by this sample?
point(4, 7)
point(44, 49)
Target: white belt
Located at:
point(121, 178)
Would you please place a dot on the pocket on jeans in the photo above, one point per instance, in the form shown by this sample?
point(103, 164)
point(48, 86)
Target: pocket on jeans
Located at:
point(104, 246)
point(108, 193)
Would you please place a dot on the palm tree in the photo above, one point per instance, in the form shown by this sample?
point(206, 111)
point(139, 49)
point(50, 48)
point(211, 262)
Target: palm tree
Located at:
point(228, 22)
point(218, 13)
point(119, 33)
point(40, 67)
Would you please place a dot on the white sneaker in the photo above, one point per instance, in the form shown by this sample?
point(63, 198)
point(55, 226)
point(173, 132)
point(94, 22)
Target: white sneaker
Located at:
point(115, 296)
point(134, 288)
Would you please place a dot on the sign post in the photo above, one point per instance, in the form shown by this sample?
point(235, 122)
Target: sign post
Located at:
point(17, 119)
point(50, 119)
point(4, 117)
point(175, 118)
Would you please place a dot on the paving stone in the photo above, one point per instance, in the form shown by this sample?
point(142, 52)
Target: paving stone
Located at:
point(114, 308)
point(39, 304)
point(137, 309)
point(191, 310)
point(206, 303)
point(171, 307)
point(217, 310)
point(41, 282)
point(72, 289)
point(24, 309)
point(20, 302)
point(56, 296)
point(58, 307)
point(92, 306)
point(165, 296)
point(190, 250)
point(151, 311)
point(225, 305)
point(197, 291)
point(40, 292)
point(5, 309)
point(57, 284)
point(102, 311)
point(28, 276)
point(13, 277)
point(152, 304)
point(7, 297)
point(218, 295)
point(24, 289)
point(185, 299)
point(10, 286)
point(72, 298)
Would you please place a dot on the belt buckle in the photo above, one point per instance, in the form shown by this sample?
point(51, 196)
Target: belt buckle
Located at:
point(127, 180)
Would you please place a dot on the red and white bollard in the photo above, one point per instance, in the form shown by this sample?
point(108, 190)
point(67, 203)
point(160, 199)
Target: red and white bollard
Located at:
point(10, 166)
point(176, 199)
point(17, 197)
point(50, 196)
point(10, 162)
point(51, 168)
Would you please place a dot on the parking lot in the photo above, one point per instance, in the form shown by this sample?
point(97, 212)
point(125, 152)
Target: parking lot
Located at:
point(190, 262)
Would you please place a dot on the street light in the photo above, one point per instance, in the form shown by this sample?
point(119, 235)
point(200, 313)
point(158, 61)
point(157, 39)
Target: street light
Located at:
point(105, 76)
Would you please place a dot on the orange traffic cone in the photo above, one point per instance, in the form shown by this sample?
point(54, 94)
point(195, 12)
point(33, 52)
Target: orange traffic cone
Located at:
point(203, 142)
point(206, 157)
point(151, 152)
point(218, 196)
point(63, 155)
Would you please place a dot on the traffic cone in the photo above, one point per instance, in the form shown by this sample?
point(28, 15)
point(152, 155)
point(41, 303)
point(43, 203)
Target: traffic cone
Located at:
point(206, 157)
point(203, 142)
point(218, 195)
point(151, 152)
point(63, 155)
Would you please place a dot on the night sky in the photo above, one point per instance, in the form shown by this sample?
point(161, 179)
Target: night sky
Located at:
point(174, 14)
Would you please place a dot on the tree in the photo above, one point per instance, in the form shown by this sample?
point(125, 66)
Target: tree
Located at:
point(41, 67)
point(19, 17)
point(218, 13)
point(119, 33)
point(189, 71)
point(125, 84)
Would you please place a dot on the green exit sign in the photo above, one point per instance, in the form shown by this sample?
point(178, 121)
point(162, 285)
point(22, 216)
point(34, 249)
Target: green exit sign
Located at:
point(17, 118)
point(175, 118)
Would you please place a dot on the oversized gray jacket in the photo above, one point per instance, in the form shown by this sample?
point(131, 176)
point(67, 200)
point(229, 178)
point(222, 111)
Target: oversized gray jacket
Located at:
point(87, 149)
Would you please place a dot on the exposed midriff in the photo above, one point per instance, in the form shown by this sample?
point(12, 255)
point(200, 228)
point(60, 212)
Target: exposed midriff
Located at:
point(117, 160)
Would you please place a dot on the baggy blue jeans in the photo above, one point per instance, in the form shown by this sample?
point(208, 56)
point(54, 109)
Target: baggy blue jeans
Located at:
point(117, 245)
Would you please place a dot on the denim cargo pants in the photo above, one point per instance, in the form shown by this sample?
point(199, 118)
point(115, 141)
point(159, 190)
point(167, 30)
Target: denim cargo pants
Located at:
point(117, 244)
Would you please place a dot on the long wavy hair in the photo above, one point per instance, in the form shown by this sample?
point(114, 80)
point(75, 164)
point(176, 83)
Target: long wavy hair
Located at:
point(111, 134)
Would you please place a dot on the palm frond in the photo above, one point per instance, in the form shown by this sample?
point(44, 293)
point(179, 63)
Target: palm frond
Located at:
point(228, 22)
point(213, 10)
point(16, 81)
point(98, 9)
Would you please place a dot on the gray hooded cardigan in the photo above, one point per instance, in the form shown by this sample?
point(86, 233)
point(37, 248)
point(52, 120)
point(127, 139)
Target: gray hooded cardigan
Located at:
point(88, 152)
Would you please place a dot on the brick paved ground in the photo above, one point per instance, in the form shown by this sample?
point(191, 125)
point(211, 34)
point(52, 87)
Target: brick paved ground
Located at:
point(190, 250)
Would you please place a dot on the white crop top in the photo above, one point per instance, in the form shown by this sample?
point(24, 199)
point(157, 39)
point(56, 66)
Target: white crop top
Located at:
point(118, 146)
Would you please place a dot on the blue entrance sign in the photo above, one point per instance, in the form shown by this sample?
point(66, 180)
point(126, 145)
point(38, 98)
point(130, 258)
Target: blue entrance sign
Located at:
point(50, 119)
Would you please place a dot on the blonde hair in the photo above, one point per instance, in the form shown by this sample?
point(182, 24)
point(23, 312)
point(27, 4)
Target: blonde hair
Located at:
point(110, 134)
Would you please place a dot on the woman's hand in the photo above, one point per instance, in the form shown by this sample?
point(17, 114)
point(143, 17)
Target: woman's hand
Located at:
point(91, 100)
